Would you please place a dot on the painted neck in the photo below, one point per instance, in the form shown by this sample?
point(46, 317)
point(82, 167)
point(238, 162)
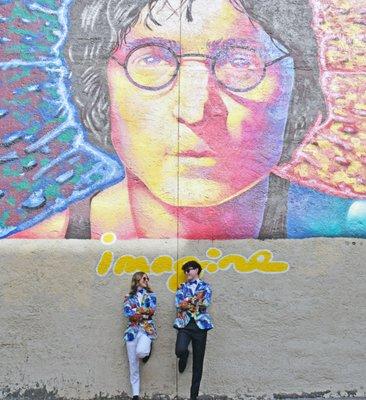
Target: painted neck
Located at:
point(237, 218)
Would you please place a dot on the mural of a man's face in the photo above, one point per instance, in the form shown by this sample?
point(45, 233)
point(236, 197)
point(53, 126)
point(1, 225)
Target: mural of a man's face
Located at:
point(218, 125)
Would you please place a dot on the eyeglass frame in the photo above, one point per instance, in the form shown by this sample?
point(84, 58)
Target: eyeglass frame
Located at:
point(188, 270)
point(178, 58)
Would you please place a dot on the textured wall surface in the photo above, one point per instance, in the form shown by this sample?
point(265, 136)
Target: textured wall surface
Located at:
point(301, 331)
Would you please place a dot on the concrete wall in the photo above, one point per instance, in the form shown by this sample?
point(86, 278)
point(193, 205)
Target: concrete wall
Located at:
point(296, 332)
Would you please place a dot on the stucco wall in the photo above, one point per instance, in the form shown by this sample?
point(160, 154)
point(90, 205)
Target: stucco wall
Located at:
point(300, 331)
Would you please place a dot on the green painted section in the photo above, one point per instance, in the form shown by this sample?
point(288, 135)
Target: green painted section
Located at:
point(4, 217)
point(11, 200)
point(23, 185)
point(8, 171)
point(21, 12)
point(27, 159)
point(44, 162)
point(67, 136)
point(96, 177)
point(52, 191)
point(18, 76)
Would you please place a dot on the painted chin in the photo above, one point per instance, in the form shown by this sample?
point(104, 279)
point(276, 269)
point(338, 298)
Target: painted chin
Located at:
point(191, 192)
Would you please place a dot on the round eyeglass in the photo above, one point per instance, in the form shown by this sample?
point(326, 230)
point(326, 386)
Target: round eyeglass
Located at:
point(155, 66)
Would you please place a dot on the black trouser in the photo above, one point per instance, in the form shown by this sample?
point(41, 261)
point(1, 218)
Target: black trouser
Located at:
point(198, 337)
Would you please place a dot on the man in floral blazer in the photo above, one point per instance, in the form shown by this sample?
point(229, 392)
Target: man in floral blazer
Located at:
point(192, 322)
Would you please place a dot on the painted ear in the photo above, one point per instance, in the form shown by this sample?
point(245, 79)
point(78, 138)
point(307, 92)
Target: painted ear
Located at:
point(46, 163)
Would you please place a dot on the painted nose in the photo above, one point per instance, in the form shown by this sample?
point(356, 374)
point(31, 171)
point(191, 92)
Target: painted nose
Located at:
point(193, 92)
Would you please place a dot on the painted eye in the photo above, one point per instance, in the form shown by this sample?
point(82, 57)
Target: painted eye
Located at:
point(151, 60)
point(239, 62)
point(152, 66)
point(239, 69)
point(238, 58)
point(152, 56)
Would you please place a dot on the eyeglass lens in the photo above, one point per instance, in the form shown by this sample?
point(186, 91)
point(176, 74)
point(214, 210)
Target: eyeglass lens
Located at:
point(153, 67)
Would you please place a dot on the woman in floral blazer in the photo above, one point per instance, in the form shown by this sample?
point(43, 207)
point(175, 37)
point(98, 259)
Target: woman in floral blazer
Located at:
point(139, 307)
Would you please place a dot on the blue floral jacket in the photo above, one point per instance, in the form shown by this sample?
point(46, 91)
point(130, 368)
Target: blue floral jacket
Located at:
point(140, 315)
point(194, 306)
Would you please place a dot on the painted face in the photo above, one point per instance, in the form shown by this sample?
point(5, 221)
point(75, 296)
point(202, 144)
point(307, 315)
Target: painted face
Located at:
point(213, 130)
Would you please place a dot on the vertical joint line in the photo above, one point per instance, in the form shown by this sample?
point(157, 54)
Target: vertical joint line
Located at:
point(178, 127)
point(178, 163)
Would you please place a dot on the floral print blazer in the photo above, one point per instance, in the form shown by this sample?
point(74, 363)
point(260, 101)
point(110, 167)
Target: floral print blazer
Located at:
point(194, 306)
point(139, 315)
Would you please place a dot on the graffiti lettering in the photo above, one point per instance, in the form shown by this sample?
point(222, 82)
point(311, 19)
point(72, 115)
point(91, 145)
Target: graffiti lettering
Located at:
point(259, 261)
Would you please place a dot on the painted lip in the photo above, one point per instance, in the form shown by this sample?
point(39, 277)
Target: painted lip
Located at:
point(196, 153)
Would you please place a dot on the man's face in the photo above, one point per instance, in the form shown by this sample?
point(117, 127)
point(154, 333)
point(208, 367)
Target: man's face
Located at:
point(215, 141)
point(191, 274)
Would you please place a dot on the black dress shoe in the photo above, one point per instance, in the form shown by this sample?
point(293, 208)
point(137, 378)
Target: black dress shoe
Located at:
point(182, 363)
point(135, 397)
point(146, 358)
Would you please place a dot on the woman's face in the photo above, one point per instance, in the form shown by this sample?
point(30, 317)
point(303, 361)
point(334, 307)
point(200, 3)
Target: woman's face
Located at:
point(218, 142)
point(144, 281)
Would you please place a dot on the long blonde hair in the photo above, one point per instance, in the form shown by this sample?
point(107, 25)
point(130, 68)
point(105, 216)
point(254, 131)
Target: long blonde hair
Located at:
point(135, 282)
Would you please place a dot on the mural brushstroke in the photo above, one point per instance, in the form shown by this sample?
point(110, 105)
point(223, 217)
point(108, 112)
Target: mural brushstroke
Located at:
point(244, 119)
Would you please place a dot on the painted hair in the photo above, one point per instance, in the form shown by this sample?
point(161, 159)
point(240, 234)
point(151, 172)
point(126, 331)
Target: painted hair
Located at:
point(98, 27)
point(136, 277)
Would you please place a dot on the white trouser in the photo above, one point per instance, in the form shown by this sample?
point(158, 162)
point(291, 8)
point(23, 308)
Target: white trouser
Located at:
point(136, 349)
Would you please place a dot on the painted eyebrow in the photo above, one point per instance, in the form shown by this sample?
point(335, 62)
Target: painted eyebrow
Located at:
point(212, 46)
point(216, 44)
point(172, 44)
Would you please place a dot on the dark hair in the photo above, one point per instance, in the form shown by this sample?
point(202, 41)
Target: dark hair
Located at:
point(192, 265)
point(135, 282)
point(98, 27)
